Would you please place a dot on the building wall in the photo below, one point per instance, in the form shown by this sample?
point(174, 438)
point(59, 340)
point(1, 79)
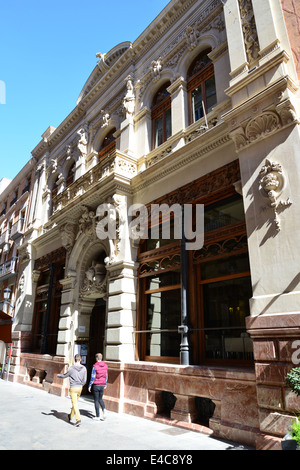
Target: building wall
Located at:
point(251, 134)
point(291, 13)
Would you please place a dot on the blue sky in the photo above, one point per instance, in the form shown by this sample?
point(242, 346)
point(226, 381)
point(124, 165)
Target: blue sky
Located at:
point(47, 52)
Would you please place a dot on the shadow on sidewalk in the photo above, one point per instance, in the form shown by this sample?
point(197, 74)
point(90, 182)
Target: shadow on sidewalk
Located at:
point(65, 416)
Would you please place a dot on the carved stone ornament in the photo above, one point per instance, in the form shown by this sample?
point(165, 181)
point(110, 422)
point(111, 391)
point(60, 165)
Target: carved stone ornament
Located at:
point(68, 236)
point(83, 140)
point(94, 282)
point(87, 223)
point(129, 100)
point(105, 118)
point(249, 30)
point(271, 184)
point(263, 125)
point(156, 68)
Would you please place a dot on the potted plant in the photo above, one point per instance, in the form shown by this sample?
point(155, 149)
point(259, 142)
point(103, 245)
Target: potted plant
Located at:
point(291, 441)
point(295, 432)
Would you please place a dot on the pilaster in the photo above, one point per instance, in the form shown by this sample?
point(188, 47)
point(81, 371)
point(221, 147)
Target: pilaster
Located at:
point(235, 38)
point(121, 317)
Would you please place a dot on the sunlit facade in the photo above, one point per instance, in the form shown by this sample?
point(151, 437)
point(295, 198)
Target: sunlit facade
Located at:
point(201, 110)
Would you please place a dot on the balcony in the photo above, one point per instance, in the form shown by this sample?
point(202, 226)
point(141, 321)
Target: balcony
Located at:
point(9, 268)
point(112, 163)
point(17, 229)
point(4, 238)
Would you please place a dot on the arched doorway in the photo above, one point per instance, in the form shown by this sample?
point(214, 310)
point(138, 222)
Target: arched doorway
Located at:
point(97, 332)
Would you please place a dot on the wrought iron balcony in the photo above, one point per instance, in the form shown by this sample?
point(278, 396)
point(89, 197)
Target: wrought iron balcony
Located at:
point(9, 268)
point(17, 229)
point(4, 238)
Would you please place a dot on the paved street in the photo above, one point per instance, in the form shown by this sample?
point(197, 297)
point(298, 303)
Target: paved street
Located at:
point(32, 419)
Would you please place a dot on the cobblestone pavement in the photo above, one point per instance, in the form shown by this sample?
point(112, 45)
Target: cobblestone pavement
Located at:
point(31, 419)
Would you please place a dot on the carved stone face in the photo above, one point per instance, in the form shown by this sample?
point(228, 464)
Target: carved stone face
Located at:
point(270, 182)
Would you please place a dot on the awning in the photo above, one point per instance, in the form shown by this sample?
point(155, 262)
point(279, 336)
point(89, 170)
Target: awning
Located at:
point(6, 322)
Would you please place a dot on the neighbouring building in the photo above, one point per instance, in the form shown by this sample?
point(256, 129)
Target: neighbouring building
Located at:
point(201, 109)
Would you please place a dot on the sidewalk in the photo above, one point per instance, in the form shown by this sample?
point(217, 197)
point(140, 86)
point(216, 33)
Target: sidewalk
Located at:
point(31, 419)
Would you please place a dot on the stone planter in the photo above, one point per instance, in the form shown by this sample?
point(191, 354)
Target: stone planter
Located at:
point(288, 443)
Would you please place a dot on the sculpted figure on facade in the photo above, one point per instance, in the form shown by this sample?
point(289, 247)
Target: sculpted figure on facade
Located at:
point(113, 213)
point(272, 183)
point(87, 223)
point(69, 152)
point(83, 140)
point(156, 68)
point(249, 30)
point(105, 118)
point(94, 280)
point(129, 100)
point(191, 37)
point(68, 232)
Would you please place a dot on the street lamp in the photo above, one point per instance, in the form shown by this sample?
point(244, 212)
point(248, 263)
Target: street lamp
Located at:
point(6, 294)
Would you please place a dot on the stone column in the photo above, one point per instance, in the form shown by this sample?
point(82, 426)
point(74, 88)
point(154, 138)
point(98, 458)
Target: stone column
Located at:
point(127, 136)
point(121, 317)
point(270, 177)
point(235, 38)
point(66, 322)
point(184, 409)
point(272, 33)
point(179, 108)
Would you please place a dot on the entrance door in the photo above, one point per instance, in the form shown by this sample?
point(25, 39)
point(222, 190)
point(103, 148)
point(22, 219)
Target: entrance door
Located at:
point(97, 333)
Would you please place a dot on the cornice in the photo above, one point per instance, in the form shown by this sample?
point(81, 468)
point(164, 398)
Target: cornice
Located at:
point(172, 13)
point(198, 148)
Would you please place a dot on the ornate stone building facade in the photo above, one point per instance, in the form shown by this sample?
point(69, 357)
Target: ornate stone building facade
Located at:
point(202, 109)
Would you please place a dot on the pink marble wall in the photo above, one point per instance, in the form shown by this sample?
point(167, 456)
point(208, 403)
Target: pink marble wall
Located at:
point(291, 12)
point(274, 338)
point(232, 390)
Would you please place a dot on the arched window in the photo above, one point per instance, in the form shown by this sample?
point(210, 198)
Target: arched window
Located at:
point(71, 174)
point(161, 116)
point(201, 87)
point(54, 192)
point(108, 144)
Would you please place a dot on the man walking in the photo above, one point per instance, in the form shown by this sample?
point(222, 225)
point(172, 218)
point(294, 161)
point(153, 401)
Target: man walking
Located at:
point(77, 375)
point(99, 381)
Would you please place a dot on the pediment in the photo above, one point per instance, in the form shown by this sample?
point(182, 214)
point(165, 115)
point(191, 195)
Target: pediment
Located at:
point(105, 62)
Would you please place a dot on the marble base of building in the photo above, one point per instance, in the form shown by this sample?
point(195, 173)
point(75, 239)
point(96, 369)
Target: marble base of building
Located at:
point(214, 400)
point(274, 339)
point(36, 370)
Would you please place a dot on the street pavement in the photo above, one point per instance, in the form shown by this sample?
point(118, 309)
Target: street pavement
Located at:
point(31, 419)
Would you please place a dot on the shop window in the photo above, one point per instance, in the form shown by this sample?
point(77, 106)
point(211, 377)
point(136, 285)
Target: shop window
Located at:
point(47, 309)
point(219, 291)
point(161, 116)
point(223, 286)
point(201, 87)
point(161, 300)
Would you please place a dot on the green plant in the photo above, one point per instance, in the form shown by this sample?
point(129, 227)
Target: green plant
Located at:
point(295, 431)
point(293, 380)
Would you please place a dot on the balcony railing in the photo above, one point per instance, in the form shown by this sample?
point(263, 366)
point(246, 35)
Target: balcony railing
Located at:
point(17, 229)
point(4, 237)
point(114, 162)
point(8, 268)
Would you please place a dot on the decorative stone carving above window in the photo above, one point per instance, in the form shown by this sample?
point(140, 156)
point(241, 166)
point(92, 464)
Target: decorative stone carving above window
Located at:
point(263, 125)
point(271, 183)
